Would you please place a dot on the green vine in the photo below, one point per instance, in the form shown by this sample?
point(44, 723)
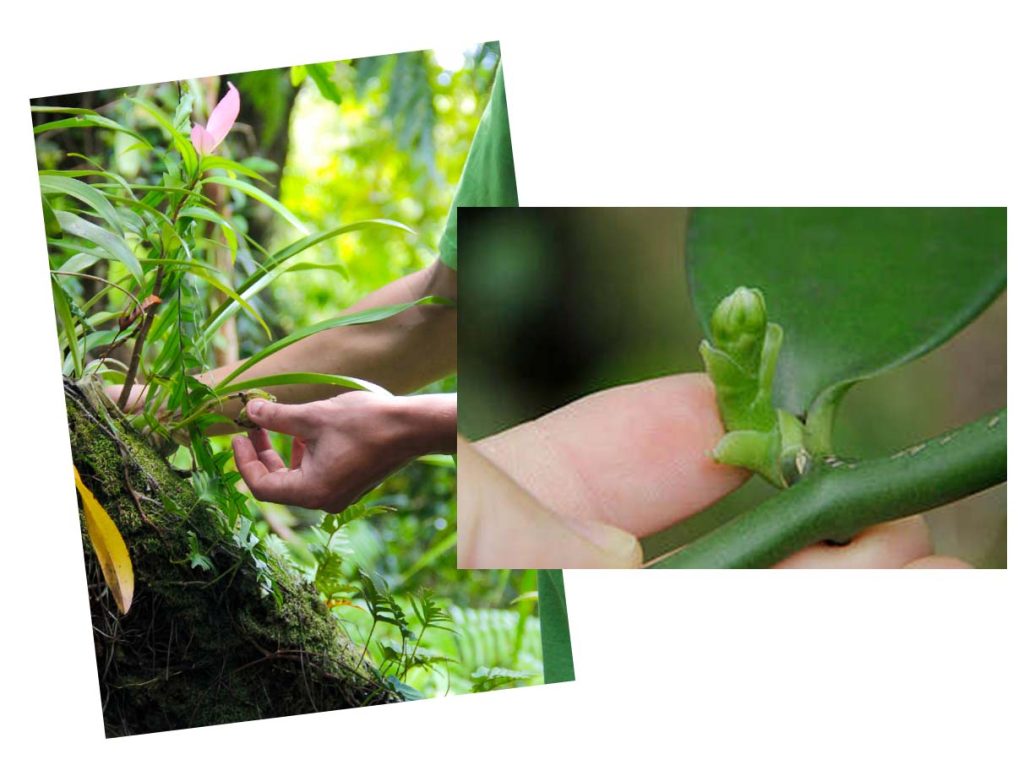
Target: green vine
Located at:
point(838, 498)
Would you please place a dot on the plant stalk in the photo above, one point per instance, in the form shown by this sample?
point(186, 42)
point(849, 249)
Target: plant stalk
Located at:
point(147, 317)
point(836, 500)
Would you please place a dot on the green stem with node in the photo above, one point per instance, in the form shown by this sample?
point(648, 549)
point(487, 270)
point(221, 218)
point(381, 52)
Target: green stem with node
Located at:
point(837, 499)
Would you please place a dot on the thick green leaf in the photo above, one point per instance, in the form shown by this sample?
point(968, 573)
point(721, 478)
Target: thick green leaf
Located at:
point(856, 290)
point(83, 192)
point(113, 245)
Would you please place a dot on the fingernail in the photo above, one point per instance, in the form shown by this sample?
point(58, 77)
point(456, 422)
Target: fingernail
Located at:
point(623, 547)
point(256, 406)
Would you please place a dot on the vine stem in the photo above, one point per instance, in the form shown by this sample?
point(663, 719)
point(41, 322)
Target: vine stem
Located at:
point(838, 499)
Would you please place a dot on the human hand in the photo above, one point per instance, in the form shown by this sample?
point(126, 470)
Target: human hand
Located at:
point(576, 487)
point(342, 447)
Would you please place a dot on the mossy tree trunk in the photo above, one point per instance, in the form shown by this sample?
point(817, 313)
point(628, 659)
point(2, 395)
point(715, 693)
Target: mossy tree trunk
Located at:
point(198, 647)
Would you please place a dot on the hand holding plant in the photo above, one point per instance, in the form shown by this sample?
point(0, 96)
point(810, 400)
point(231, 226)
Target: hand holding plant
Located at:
point(341, 447)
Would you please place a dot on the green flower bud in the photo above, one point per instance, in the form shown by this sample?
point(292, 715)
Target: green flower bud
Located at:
point(740, 360)
point(738, 326)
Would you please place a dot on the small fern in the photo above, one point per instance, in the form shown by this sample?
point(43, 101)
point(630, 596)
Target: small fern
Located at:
point(492, 678)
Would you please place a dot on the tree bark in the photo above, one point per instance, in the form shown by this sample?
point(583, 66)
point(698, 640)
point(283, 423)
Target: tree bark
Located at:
point(198, 647)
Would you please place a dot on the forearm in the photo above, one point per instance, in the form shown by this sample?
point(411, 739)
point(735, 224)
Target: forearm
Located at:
point(402, 353)
point(431, 423)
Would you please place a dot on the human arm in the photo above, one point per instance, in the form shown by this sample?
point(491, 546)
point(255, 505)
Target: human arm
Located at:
point(401, 353)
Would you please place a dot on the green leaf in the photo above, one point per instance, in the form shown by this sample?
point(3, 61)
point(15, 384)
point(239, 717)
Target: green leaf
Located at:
point(85, 118)
point(857, 291)
point(181, 142)
point(50, 219)
point(337, 268)
point(360, 317)
point(217, 162)
point(203, 213)
point(207, 275)
point(357, 513)
point(260, 196)
point(321, 75)
point(59, 184)
point(276, 265)
point(301, 378)
point(113, 245)
point(67, 321)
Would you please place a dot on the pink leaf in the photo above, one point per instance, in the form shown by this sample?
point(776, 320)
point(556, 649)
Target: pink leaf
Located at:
point(202, 140)
point(223, 116)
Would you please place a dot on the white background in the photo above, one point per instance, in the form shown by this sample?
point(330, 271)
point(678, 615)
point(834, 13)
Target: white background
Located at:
point(777, 103)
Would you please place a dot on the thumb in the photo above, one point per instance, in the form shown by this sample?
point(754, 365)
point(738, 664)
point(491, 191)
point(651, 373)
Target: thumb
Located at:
point(501, 525)
point(293, 419)
point(635, 456)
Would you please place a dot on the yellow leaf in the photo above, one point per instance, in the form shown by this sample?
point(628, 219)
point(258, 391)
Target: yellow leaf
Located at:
point(335, 602)
point(109, 546)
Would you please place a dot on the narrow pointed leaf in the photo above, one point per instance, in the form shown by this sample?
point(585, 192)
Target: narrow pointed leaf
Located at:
point(204, 213)
point(86, 119)
point(113, 245)
point(260, 196)
point(111, 551)
point(360, 317)
point(277, 265)
point(302, 378)
point(207, 275)
point(83, 192)
point(68, 324)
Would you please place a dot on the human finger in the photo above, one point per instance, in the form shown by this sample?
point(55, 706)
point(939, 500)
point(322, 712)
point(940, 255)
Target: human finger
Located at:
point(888, 545)
point(247, 460)
point(298, 452)
point(293, 419)
point(501, 525)
point(265, 450)
point(282, 486)
point(636, 456)
point(938, 561)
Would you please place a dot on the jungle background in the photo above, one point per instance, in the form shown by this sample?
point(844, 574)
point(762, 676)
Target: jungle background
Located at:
point(560, 303)
point(382, 137)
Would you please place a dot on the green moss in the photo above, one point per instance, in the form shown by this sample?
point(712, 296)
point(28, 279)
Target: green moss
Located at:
point(198, 648)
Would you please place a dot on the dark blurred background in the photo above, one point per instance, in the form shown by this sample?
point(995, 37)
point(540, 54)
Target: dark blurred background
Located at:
point(556, 303)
